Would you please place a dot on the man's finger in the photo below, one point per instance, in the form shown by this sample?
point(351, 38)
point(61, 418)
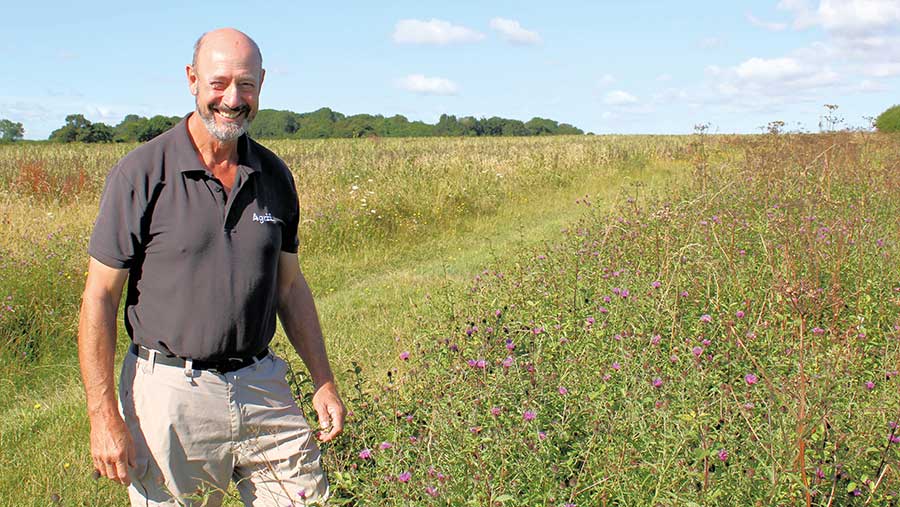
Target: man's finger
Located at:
point(337, 416)
point(121, 473)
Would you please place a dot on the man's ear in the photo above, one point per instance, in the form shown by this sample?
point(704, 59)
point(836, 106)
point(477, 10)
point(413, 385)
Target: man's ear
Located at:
point(192, 79)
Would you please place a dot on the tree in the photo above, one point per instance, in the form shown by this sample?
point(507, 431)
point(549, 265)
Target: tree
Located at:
point(78, 128)
point(889, 120)
point(11, 131)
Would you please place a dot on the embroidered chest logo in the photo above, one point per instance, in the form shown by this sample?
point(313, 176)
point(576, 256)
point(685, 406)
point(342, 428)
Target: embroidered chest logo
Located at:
point(266, 218)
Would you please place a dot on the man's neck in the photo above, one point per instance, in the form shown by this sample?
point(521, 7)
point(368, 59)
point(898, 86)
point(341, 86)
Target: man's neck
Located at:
point(215, 155)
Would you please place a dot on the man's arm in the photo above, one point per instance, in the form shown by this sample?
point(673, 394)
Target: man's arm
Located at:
point(297, 312)
point(111, 446)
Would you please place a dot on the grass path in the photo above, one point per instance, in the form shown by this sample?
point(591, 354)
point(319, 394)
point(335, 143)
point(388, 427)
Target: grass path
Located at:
point(365, 306)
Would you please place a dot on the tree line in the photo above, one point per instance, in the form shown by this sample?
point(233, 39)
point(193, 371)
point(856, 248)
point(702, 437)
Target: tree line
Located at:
point(319, 124)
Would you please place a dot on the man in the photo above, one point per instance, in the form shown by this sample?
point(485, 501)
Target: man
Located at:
point(202, 223)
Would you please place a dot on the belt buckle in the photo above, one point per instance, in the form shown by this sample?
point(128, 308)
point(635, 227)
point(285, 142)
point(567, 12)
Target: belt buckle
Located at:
point(230, 364)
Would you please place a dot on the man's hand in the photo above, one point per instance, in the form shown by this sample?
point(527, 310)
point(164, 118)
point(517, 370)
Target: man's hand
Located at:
point(112, 448)
point(330, 410)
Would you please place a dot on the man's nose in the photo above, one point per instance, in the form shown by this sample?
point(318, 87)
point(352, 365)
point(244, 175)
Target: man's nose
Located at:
point(231, 97)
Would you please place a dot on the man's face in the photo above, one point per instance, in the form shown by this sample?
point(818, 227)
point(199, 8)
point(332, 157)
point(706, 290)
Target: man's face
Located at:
point(225, 83)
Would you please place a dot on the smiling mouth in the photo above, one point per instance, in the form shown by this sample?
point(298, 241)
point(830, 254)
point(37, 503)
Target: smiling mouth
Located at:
point(231, 114)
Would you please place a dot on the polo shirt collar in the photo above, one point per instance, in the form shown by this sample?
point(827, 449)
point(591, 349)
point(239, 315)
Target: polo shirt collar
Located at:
point(189, 159)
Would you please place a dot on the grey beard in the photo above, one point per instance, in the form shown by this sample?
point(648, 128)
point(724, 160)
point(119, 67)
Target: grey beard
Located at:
point(224, 133)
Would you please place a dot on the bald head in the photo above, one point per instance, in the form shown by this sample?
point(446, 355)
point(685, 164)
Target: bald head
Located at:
point(225, 39)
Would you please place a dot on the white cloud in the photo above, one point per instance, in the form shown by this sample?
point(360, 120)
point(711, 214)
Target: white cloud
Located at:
point(513, 32)
point(884, 70)
point(434, 31)
point(606, 79)
point(768, 25)
point(664, 78)
point(859, 17)
point(710, 43)
point(417, 83)
point(619, 98)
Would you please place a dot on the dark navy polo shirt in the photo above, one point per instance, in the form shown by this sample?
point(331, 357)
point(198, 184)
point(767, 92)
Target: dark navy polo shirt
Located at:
point(202, 264)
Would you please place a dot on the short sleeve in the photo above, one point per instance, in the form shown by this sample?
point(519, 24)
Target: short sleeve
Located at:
point(289, 240)
point(116, 238)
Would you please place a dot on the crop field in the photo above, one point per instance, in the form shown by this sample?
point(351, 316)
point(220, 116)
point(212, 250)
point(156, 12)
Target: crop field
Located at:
point(566, 321)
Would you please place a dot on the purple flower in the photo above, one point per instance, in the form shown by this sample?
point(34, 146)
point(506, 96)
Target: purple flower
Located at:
point(818, 331)
point(498, 313)
point(723, 455)
point(471, 362)
point(510, 345)
point(404, 477)
point(655, 339)
point(616, 366)
point(404, 355)
point(537, 330)
point(431, 491)
point(508, 362)
point(657, 382)
point(602, 309)
point(739, 314)
point(413, 439)
point(656, 284)
point(624, 293)
point(697, 350)
point(302, 494)
point(673, 358)
point(385, 445)
point(562, 390)
point(542, 435)
point(894, 439)
point(750, 379)
point(590, 321)
point(684, 294)
point(480, 364)
point(705, 318)
point(365, 454)
point(870, 385)
point(529, 415)
point(495, 411)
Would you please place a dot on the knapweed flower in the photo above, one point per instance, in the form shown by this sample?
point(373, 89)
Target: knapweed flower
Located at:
point(894, 439)
point(495, 411)
point(656, 284)
point(750, 379)
point(404, 355)
point(723, 455)
point(431, 491)
point(302, 494)
point(404, 477)
point(739, 314)
point(655, 339)
point(590, 321)
point(529, 415)
point(508, 362)
point(542, 435)
point(365, 454)
point(706, 318)
point(602, 309)
point(498, 313)
point(480, 364)
point(697, 350)
point(537, 330)
point(657, 382)
point(870, 385)
point(562, 390)
point(818, 331)
point(673, 358)
point(624, 293)
point(385, 445)
point(616, 366)
point(510, 345)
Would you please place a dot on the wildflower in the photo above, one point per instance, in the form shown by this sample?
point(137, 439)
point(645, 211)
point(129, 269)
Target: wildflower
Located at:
point(365, 454)
point(697, 350)
point(404, 477)
point(537, 330)
point(739, 314)
point(510, 345)
point(602, 309)
point(656, 284)
point(404, 355)
point(542, 435)
point(508, 362)
point(673, 358)
point(706, 318)
point(894, 439)
point(616, 366)
point(723, 455)
point(655, 339)
point(819, 473)
point(413, 439)
point(870, 385)
point(607, 299)
point(750, 379)
point(529, 415)
point(818, 330)
point(302, 494)
point(562, 390)
point(590, 321)
point(684, 294)
point(606, 376)
point(498, 313)
point(495, 411)
point(705, 342)
point(480, 364)
point(385, 445)
point(471, 362)
point(624, 293)
point(657, 382)
point(431, 491)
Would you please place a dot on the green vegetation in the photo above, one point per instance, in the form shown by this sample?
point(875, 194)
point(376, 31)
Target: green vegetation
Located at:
point(11, 131)
point(889, 120)
point(707, 320)
point(320, 124)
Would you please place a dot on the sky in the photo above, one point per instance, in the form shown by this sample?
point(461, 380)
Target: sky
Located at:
point(636, 66)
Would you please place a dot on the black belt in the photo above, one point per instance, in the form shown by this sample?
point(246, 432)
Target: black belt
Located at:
point(221, 366)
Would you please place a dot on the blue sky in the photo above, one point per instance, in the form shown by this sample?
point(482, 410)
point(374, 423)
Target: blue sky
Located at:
point(638, 66)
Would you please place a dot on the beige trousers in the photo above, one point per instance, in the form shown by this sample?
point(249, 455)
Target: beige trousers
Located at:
point(195, 431)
